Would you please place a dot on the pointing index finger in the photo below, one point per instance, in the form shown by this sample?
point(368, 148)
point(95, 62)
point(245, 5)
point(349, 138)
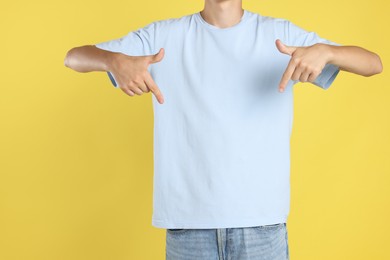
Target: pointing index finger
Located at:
point(153, 87)
point(286, 76)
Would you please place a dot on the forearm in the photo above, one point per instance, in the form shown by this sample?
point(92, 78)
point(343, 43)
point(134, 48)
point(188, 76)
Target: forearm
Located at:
point(88, 58)
point(354, 59)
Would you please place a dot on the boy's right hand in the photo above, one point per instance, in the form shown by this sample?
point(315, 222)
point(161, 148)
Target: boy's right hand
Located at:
point(132, 75)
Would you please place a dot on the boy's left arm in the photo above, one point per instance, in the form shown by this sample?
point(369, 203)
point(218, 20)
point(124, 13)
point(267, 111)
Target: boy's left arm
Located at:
point(307, 62)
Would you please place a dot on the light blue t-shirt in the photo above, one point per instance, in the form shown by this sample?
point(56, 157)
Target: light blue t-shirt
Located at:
point(222, 136)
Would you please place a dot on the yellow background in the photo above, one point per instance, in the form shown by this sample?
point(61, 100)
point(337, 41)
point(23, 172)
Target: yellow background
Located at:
point(76, 154)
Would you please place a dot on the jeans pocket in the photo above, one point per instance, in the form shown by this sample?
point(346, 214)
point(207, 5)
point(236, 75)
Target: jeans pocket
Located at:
point(270, 227)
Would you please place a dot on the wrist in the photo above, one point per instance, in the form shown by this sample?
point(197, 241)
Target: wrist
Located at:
point(329, 52)
point(110, 60)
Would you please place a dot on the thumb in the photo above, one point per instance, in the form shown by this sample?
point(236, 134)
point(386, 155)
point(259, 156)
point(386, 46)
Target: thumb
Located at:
point(158, 56)
point(284, 48)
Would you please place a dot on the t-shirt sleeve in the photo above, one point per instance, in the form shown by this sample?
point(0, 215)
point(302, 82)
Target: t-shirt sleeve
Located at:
point(139, 42)
point(298, 36)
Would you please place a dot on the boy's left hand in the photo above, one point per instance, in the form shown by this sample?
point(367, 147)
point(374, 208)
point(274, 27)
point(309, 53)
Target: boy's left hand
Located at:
point(306, 63)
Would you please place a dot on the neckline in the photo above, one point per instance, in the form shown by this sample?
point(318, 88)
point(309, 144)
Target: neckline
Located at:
point(215, 28)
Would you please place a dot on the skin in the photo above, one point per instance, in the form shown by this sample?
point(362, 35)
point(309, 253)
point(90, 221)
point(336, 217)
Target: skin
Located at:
point(306, 63)
point(130, 72)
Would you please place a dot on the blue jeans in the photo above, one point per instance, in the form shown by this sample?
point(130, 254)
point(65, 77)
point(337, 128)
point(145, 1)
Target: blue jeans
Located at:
point(267, 242)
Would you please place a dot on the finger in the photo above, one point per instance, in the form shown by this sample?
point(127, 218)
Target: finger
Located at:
point(157, 57)
point(137, 87)
point(304, 76)
point(286, 75)
point(137, 91)
point(142, 86)
point(284, 48)
point(128, 91)
point(312, 77)
point(297, 73)
point(153, 87)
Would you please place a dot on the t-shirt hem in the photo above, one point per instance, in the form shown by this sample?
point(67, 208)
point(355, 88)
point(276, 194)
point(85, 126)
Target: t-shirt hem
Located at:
point(221, 224)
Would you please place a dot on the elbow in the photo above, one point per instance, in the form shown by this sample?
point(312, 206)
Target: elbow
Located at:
point(70, 60)
point(67, 59)
point(377, 66)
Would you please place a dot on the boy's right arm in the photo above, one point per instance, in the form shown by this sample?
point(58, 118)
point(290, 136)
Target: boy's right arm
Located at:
point(130, 72)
